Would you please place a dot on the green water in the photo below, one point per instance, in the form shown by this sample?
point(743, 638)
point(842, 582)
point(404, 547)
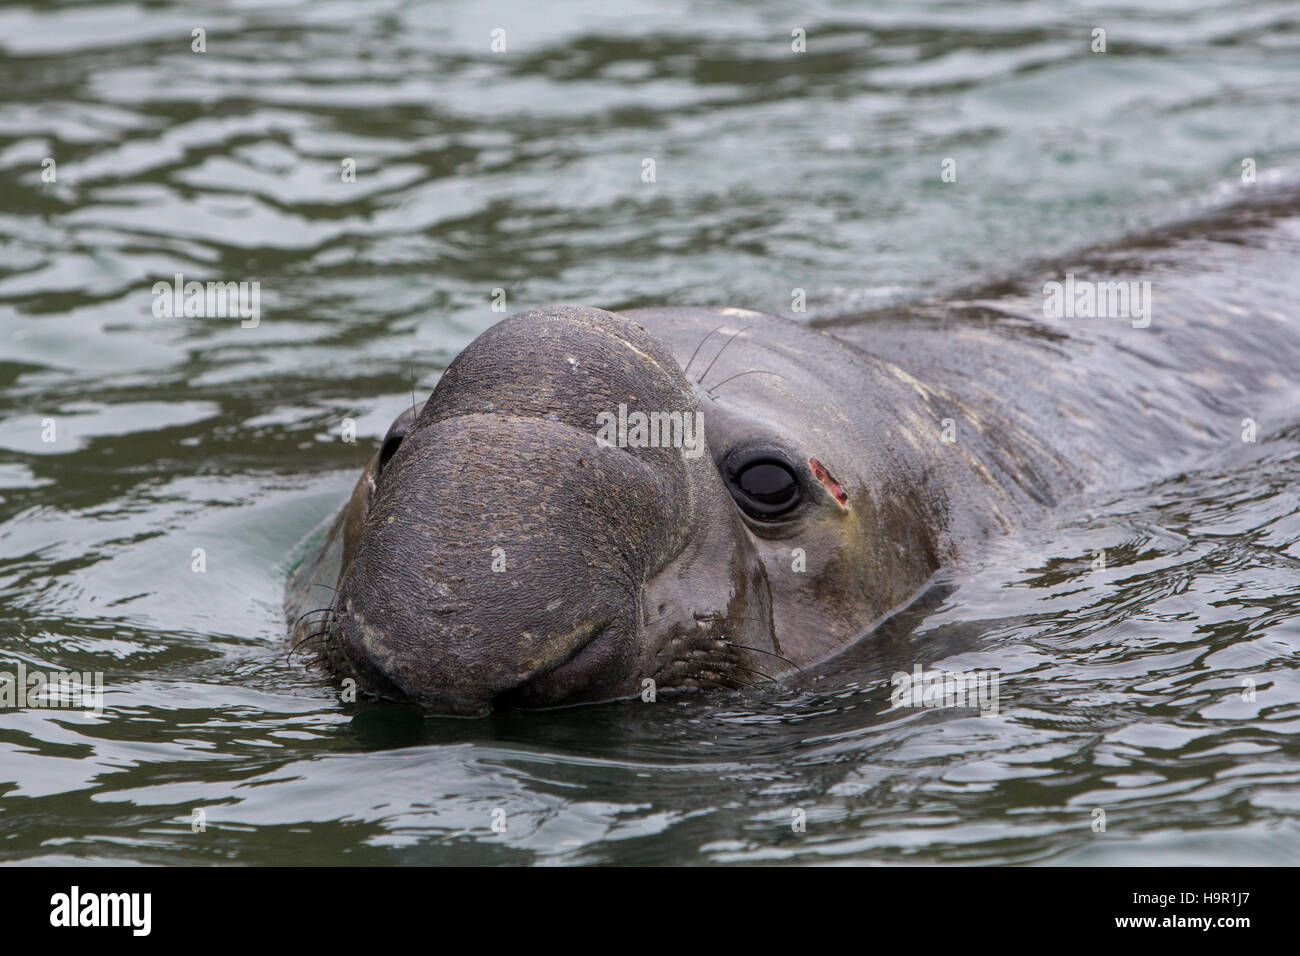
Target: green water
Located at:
point(522, 171)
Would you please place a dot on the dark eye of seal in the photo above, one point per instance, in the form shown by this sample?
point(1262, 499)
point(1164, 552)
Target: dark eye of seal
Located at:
point(763, 485)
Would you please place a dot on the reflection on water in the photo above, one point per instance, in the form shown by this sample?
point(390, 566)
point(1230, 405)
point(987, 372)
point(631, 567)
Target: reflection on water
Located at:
point(1121, 690)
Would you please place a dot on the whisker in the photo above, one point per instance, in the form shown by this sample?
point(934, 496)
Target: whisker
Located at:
point(306, 613)
point(724, 664)
point(752, 371)
point(719, 678)
point(700, 346)
point(717, 619)
point(758, 673)
point(314, 636)
point(700, 380)
point(759, 650)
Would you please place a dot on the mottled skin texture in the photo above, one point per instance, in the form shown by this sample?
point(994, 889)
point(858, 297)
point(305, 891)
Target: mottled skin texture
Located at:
point(628, 564)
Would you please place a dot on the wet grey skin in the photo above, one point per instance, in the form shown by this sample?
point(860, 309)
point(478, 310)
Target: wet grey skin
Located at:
point(623, 565)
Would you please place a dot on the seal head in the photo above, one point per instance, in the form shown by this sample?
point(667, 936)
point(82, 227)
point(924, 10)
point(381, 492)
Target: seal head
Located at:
point(501, 553)
point(586, 510)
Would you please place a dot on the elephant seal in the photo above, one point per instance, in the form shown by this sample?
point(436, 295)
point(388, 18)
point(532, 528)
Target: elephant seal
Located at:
point(550, 528)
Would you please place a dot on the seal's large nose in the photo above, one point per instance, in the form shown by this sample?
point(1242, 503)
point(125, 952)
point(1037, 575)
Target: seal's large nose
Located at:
point(506, 548)
point(498, 550)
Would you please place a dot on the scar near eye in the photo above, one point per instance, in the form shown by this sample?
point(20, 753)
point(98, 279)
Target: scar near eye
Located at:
point(828, 480)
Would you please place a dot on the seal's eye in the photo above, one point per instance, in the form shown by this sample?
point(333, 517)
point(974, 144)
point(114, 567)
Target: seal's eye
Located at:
point(765, 486)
